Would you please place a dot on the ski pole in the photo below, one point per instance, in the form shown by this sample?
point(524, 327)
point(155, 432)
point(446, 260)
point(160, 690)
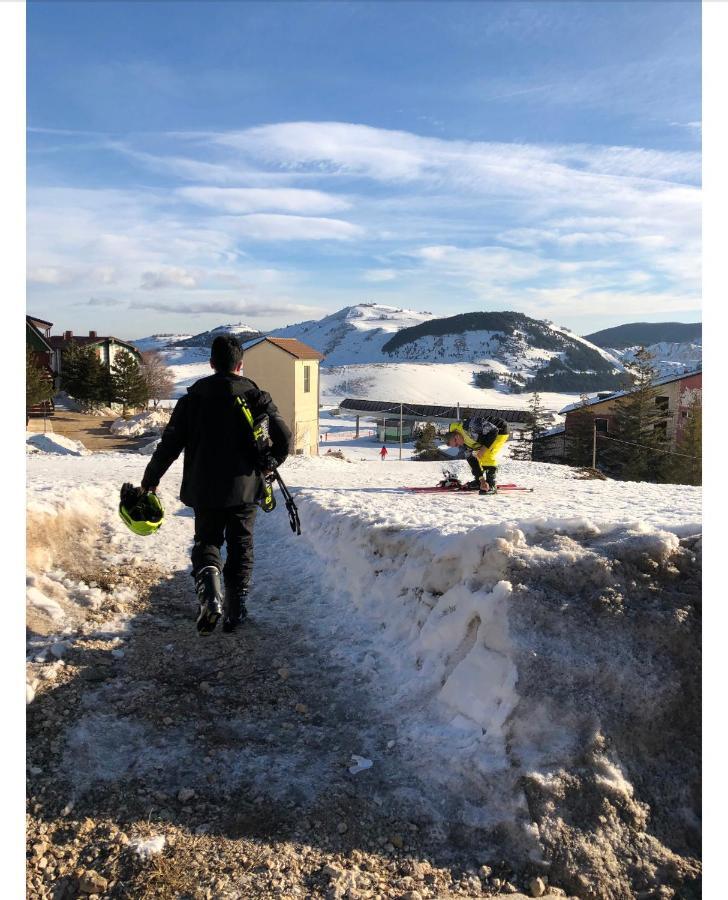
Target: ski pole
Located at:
point(293, 518)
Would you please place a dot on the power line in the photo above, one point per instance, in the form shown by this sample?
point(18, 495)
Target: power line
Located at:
point(645, 446)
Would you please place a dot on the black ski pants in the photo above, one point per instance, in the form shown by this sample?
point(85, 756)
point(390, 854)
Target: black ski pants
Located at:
point(477, 469)
point(232, 526)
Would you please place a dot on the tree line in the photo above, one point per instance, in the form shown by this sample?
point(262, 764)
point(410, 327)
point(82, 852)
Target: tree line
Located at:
point(85, 378)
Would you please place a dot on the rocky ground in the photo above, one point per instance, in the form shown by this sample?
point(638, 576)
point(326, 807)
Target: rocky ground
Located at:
point(165, 765)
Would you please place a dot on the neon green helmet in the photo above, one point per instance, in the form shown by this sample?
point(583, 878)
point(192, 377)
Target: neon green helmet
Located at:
point(140, 511)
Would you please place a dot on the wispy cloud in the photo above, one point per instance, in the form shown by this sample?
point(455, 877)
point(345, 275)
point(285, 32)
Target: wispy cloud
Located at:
point(563, 226)
point(251, 200)
point(230, 307)
point(168, 277)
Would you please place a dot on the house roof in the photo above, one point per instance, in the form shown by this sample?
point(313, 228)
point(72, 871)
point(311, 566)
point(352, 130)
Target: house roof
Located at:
point(37, 334)
point(34, 319)
point(418, 410)
point(290, 345)
point(594, 401)
point(58, 341)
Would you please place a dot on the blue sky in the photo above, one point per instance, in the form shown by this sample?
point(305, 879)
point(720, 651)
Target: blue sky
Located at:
point(195, 163)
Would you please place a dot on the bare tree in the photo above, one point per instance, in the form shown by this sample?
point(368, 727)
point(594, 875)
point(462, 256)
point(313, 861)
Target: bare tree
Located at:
point(157, 376)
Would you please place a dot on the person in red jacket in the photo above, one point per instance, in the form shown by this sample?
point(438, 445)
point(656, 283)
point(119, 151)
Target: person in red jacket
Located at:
point(383, 453)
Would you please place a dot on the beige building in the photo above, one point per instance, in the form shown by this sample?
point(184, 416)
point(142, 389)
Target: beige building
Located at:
point(289, 371)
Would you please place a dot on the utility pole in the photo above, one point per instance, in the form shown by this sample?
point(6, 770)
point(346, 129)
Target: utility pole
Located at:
point(400, 431)
point(594, 448)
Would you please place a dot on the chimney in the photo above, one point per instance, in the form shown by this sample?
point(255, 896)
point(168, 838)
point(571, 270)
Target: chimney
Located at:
point(92, 335)
point(67, 335)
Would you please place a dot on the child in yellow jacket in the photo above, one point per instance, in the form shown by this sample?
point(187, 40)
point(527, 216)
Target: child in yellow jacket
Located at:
point(483, 439)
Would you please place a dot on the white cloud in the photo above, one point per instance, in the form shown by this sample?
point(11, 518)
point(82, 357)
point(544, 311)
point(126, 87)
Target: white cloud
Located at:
point(272, 227)
point(250, 200)
point(168, 277)
point(230, 307)
point(51, 275)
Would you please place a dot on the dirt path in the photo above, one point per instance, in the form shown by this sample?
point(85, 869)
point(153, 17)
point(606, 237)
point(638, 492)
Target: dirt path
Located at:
point(230, 756)
point(92, 431)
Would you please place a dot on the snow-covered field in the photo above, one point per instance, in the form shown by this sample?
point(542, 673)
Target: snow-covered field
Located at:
point(537, 654)
point(428, 383)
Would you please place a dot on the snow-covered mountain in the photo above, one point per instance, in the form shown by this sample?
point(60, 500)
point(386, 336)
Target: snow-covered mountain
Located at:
point(159, 341)
point(511, 349)
point(676, 347)
point(205, 338)
point(356, 334)
point(668, 358)
point(375, 351)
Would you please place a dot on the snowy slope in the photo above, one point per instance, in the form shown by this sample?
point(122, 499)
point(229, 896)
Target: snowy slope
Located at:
point(444, 383)
point(354, 334)
point(668, 358)
point(433, 368)
point(534, 656)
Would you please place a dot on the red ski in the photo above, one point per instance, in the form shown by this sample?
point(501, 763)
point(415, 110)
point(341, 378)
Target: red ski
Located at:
point(461, 489)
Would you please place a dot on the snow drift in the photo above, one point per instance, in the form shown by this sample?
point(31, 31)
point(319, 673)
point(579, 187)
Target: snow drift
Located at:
point(547, 673)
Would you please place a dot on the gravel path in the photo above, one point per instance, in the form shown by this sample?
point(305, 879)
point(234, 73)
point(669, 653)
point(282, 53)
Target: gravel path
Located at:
point(166, 765)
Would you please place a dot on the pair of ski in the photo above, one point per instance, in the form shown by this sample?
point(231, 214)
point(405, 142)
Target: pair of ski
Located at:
point(464, 489)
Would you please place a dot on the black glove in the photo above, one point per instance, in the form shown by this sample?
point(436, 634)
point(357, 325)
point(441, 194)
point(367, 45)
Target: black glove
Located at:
point(268, 463)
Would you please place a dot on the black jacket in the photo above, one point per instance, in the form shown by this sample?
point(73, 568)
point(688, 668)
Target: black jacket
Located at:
point(220, 454)
point(485, 429)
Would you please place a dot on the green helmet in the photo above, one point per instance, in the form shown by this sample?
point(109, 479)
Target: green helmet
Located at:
point(141, 511)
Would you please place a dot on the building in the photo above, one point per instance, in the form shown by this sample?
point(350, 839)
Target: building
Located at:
point(289, 370)
point(37, 337)
point(390, 412)
point(675, 394)
point(107, 349)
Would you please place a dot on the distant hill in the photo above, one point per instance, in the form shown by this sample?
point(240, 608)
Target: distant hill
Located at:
point(205, 338)
point(512, 350)
point(645, 333)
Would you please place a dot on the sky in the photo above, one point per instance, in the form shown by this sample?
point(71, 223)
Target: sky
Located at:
point(197, 163)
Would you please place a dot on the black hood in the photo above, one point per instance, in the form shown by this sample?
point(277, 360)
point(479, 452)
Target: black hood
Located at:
point(221, 385)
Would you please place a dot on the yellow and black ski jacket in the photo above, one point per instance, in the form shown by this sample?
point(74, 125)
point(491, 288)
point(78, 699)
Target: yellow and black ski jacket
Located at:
point(484, 437)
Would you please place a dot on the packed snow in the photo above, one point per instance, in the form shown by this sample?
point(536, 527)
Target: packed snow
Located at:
point(518, 645)
point(49, 442)
point(151, 421)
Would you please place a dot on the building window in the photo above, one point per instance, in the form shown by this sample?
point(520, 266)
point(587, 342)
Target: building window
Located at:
point(662, 403)
point(602, 425)
point(306, 379)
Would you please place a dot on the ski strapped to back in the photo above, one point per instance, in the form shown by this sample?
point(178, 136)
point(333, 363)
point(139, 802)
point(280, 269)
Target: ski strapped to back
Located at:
point(261, 439)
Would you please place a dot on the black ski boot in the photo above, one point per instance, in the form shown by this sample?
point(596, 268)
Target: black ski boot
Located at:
point(235, 609)
point(209, 594)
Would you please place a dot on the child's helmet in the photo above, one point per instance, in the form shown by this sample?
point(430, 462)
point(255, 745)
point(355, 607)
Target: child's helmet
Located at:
point(141, 511)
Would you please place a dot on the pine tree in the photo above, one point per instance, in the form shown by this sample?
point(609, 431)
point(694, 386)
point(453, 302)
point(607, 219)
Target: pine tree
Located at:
point(638, 451)
point(687, 467)
point(580, 435)
point(83, 375)
point(38, 383)
point(130, 388)
point(536, 420)
point(426, 442)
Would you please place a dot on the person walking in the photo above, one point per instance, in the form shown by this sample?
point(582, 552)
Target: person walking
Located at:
point(483, 439)
point(383, 453)
point(223, 478)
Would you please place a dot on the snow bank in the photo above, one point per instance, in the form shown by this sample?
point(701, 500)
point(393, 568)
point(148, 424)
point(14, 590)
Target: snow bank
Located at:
point(543, 668)
point(151, 421)
point(54, 443)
